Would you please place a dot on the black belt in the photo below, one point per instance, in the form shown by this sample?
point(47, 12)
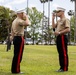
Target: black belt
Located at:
point(19, 35)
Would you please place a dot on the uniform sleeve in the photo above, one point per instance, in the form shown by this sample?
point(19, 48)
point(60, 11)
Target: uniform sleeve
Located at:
point(21, 22)
point(67, 23)
point(12, 35)
point(24, 23)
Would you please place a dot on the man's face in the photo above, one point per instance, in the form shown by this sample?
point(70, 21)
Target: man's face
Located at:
point(21, 15)
point(59, 13)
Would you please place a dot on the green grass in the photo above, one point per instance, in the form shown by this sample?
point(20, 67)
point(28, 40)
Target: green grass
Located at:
point(37, 60)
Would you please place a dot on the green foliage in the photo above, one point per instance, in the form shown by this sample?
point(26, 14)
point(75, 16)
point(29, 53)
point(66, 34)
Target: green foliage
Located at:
point(6, 19)
point(35, 17)
point(72, 28)
point(4, 12)
point(37, 60)
point(4, 16)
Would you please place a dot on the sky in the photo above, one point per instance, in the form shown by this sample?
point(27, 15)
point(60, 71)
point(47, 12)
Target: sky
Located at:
point(22, 4)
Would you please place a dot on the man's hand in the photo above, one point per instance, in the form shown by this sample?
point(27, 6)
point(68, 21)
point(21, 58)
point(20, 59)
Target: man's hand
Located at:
point(53, 16)
point(57, 33)
point(25, 16)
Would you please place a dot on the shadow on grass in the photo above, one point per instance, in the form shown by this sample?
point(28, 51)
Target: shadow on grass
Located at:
point(9, 73)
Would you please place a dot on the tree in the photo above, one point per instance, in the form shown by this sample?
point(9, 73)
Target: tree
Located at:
point(72, 23)
point(5, 22)
point(35, 18)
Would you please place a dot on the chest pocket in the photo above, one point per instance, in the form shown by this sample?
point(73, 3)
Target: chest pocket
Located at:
point(62, 23)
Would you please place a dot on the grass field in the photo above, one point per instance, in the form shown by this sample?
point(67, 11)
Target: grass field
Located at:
point(37, 60)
